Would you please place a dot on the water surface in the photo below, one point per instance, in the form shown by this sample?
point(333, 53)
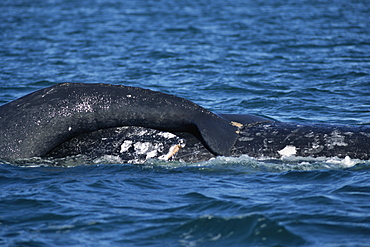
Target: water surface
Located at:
point(305, 61)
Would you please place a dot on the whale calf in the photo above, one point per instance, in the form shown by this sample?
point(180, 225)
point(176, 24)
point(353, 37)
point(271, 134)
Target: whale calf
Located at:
point(33, 125)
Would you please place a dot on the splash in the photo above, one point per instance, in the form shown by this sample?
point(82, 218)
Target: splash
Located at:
point(243, 164)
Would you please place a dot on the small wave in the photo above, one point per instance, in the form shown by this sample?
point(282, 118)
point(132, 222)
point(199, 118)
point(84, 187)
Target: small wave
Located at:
point(252, 229)
point(247, 165)
point(235, 165)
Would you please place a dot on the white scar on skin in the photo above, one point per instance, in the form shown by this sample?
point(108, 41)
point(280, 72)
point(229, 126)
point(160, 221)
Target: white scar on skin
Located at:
point(288, 151)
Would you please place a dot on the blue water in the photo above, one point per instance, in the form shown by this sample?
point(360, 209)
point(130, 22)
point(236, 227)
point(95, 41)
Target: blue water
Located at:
point(306, 61)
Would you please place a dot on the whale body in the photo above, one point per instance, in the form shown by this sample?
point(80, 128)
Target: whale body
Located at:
point(35, 124)
point(134, 125)
point(262, 138)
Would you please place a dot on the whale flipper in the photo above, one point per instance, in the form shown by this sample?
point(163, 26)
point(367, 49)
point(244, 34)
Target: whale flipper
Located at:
point(218, 135)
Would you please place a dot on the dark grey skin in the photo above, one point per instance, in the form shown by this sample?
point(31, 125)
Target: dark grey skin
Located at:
point(270, 139)
point(258, 137)
point(35, 124)
point(96, 144)
point(261, 137)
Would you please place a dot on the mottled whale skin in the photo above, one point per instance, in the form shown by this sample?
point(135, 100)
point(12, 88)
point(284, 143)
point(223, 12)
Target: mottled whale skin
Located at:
point(258, 137)
point(33, 125)
point(278, 139)
point(127, 144)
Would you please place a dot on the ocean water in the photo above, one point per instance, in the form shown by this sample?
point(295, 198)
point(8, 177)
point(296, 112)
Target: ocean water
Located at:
point(294, 61)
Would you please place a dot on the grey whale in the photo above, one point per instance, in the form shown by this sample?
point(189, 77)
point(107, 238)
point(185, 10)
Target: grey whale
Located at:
point(136, 124)
point(258, 137)
point(36, 123)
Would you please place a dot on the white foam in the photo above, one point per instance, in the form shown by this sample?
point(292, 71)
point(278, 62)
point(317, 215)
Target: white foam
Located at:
point(110, 159)
point(346, 162)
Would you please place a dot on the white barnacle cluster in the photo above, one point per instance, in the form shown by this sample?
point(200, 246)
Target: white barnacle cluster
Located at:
point(288, 151)
point(144, 144)
point(148, 149)
point(167, 135)
point(125, 146)
point(335, 139)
